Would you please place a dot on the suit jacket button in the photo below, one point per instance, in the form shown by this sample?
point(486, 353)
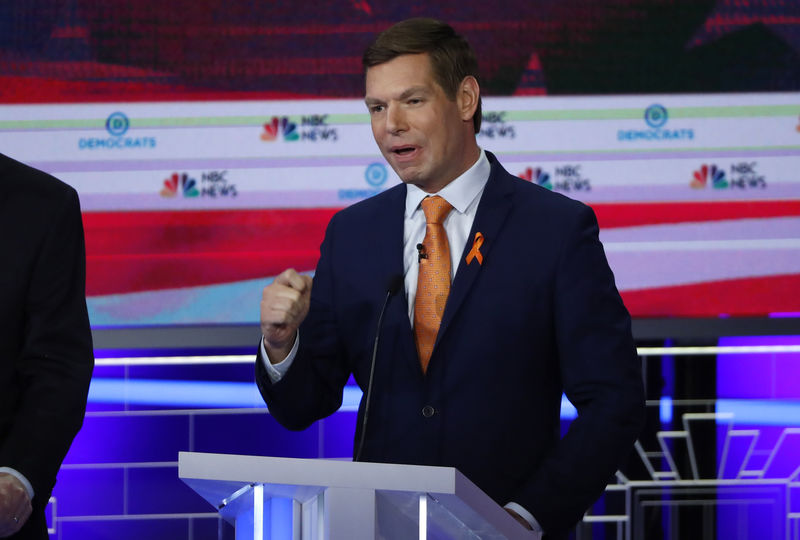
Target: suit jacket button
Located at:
point(428, 411)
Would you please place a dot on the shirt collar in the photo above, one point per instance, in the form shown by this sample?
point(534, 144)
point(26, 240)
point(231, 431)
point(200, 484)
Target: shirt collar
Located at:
point(459, 193)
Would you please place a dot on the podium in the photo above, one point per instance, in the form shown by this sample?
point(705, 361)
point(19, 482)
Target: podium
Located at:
point(303, 499)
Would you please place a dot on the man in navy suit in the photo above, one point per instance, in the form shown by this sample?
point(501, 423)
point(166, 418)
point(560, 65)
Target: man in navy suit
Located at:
point(46, 356)
point(532, 308)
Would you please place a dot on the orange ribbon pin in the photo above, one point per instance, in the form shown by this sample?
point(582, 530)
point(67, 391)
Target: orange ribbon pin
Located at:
point(475, 252)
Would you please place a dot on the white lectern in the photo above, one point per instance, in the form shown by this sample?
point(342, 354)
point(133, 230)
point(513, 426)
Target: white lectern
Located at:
point(304, 499)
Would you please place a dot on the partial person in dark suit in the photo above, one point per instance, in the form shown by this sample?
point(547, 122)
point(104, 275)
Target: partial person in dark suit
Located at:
point(471, 374)
point(46, 357)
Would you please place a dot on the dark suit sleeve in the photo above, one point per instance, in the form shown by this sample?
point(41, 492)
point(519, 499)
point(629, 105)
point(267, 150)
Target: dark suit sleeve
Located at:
point(55, 364)
point(601, 374)
point(312, 387)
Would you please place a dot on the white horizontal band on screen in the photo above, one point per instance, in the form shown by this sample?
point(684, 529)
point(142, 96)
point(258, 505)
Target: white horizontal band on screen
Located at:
point(250, 358)
point(745, 349)
point(704, 245)
point(176, 360)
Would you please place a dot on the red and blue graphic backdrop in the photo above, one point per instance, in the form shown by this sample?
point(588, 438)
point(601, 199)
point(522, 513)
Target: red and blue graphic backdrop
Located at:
point(175, 265)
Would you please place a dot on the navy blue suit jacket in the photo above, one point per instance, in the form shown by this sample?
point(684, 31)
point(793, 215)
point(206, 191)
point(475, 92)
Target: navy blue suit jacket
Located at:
point(46, 356)
point(540, 315)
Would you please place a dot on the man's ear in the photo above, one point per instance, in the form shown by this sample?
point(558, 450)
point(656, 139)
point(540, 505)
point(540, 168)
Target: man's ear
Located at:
point(468, 97)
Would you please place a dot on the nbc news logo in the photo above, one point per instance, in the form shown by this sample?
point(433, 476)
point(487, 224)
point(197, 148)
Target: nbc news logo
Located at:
point(312, 128)
point(180, 182)
point(743, 175)
point(280, 126)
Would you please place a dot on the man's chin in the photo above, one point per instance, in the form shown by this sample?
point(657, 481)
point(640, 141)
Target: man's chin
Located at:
point(413, 180)
point(408, 175)
point(411, 175)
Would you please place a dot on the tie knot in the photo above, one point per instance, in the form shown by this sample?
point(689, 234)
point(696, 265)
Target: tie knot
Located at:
point(435, 208)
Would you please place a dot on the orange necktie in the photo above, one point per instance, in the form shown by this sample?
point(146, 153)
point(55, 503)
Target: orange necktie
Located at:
point(433, 284)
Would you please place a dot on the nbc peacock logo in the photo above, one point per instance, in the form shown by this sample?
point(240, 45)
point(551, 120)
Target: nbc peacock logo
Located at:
point(716, 175)
point(180, 182)
point(280, 126)
point(537, 175)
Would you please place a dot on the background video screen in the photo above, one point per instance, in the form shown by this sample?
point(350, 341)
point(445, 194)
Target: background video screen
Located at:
point(211, 141)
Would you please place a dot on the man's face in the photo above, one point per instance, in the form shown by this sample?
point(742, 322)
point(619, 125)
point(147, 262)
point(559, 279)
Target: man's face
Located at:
point(426, 137)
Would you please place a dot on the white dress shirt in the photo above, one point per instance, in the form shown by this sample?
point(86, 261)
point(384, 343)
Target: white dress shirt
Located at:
point(463, 194)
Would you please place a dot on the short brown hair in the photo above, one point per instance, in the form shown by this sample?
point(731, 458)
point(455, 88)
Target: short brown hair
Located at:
point(452, 58)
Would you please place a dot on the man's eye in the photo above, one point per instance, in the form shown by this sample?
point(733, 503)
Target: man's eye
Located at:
point(376, 109)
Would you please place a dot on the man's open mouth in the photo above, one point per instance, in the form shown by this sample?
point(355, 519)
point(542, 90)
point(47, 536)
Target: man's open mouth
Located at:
point(403, 150)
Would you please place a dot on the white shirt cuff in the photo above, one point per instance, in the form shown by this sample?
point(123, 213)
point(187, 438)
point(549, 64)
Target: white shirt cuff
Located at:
point(275, 372)
point(19, 476)
point(527, 516)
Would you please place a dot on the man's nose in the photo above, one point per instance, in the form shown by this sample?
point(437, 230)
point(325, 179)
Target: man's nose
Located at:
point(395, 119)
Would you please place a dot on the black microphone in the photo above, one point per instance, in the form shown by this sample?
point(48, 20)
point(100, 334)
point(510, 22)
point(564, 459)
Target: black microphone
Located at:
point(421, 252)
point(394, 284)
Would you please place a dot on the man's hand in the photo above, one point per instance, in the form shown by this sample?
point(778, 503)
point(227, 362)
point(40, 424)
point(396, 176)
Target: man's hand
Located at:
point(284, 305)
point(15, 505)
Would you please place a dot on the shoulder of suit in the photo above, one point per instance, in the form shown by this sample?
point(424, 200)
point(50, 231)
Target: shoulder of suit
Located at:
point(19, 180)
point(377, 204)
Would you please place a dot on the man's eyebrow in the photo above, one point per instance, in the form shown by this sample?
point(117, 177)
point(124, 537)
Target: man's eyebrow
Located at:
point(413, 90)
point(404, 95)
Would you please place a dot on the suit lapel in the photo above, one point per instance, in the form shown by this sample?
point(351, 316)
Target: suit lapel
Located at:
point(389, 235)
point(493, 209)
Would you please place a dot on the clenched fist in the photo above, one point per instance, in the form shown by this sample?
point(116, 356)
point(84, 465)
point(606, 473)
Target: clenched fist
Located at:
point(284, 305)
